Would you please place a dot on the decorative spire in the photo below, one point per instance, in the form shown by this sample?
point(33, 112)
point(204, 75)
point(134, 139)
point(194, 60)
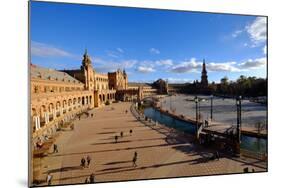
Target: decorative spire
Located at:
point(204, 76)
point(86, 60)
point(204, 67)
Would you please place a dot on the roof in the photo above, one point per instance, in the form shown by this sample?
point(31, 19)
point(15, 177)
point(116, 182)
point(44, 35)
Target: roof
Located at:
point(51, 74)
point(136, 84)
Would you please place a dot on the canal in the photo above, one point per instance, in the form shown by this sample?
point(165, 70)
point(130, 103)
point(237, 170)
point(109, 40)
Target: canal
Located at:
point(247, 142)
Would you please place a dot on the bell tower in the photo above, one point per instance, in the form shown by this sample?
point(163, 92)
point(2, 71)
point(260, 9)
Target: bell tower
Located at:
point(88, 71)
point(204, 76)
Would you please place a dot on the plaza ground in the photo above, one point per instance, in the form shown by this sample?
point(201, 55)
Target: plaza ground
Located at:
point(162, 152)
point(224, 110)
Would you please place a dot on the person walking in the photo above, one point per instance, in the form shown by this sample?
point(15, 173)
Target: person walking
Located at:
point(88, 161)
point(135, 159)
point(55, 147)
point(49, 179)
point(86, 180)
point(121, 134)
point(116, 139)
point(83, 161)
point(217, 155)
point(92, 178)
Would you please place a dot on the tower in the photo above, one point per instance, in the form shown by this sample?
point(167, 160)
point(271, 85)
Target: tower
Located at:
point(125, 77)
point(204, 76)
point(88, 71)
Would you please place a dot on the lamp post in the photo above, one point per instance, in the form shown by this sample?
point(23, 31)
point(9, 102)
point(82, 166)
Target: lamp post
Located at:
point(196, 106)
point(212, 107)
point(239, 122)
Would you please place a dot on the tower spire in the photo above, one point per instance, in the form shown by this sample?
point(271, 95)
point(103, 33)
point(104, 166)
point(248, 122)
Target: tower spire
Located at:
point(204, 76)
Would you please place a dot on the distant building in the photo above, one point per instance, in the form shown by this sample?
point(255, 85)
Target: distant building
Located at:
point(204, 76)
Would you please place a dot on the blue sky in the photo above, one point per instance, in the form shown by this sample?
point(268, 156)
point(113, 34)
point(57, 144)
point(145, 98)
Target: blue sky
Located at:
point(148, 43)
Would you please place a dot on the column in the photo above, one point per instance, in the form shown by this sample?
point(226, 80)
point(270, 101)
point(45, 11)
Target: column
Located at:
point(46, 117)
point(54, 113)
point(61, 111)
point(38, 122)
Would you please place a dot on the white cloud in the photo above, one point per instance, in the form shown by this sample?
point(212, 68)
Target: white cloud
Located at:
point(264, 50)
point(178, 80)
point(45, 50)
point(253, 64)
point(143, 69)
point(257, 30)
point(222, 67)
point(166, 62)
point(236, 33)
point(120, 50)
point(231, 66)
point(102, 65)
point(187, 66)
point(154, 51)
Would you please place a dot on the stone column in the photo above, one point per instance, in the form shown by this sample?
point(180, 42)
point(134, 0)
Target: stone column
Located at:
point(46, 117)
point(61, 111)
point(54, 113)
point(36, 120)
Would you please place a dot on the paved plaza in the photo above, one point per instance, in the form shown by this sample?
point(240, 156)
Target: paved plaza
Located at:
point(224, 110)
point(162, 152)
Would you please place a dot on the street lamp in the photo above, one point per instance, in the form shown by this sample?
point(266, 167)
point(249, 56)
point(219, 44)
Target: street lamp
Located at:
point(196, 100)
point(239, 122)
point(212, 107)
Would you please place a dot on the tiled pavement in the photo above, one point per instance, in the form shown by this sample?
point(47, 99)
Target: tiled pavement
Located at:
point(162, 152)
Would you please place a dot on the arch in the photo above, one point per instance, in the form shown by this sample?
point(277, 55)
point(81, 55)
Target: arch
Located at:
point(51, 107)
point(87, 100)
point(90, 99)
point(83, 100)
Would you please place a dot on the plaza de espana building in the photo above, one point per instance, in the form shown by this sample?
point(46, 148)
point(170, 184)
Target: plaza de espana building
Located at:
point(58, 96)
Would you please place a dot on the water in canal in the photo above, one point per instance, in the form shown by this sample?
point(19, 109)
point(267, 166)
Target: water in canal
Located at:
point(247, 142)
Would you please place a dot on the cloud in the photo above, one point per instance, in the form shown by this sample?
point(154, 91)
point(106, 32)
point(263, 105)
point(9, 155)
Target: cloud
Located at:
point(45, 50)
point(166, 62)
point(110, 66)
point(222, 67)
point(187, 66)
point(154, 51)
point(230, 66)
point(120, 50)
point(178, 80)
point(257, 30)
point(253, 64)
point(264, 50)
point(236, 33)
point(143, 69)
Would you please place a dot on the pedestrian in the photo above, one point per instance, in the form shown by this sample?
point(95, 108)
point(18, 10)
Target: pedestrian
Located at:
point(83, 161)
point(88, 160)
point(79, 117)
point(121, 134)
point(217, 155)
point(131, 131)
point(135, 159)
point(55, 148)
point(92, 178)
point(87, 180)
point(126, 111)
point(49, 179)
point(116, 138)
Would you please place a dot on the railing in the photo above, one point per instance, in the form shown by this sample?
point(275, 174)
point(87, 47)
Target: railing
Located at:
point(252, 154)
point(56, 94)
point(56, 120)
